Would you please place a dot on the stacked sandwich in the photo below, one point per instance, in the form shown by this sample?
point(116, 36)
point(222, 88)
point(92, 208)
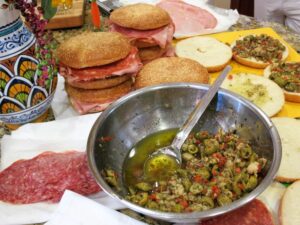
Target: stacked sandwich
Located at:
point(149, 27)
point(98, 68)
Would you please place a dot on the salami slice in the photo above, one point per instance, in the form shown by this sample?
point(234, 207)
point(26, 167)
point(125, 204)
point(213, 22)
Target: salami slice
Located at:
point(254, 213)
point(130, 65)
point(46, 177)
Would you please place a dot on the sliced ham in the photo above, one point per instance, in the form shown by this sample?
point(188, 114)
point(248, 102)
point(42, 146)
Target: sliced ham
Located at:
point(86, 107)
point(188, 19)
point(46, 177)
point(161, 36)
point(130, 65)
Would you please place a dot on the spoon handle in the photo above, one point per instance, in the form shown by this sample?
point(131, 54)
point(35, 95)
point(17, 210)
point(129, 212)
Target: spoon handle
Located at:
point(198, 111)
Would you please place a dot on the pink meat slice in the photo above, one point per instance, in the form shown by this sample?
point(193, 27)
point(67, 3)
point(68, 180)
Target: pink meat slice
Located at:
point(188, 19)
point(254, 213)
point(46, 177)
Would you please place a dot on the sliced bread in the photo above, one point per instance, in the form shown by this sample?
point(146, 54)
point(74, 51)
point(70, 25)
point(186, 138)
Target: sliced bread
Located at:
point(263, 92)
point(289, 130)
point(289, 210)
point(208, 51)
point(289, 95)
point(249, 51)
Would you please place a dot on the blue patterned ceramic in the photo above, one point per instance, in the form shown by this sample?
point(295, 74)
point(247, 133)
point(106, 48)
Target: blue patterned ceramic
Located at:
point(21, 98)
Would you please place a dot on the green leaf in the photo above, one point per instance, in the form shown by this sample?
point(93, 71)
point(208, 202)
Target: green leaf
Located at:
point(49, 11)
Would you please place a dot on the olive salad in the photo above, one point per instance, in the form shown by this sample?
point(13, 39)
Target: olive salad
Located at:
point(216, 170)
point(260, 47)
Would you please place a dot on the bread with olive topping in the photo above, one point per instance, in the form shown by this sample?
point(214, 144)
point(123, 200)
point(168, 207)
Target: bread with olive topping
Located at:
point(261, 91)
point(258, 51)
point(285, 75)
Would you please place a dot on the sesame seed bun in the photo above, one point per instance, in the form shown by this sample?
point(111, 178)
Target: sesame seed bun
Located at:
point(140, 17)
point(99, 95)
point(171, 69)
point(93, 49)
point(151, 53)
point(100, 83)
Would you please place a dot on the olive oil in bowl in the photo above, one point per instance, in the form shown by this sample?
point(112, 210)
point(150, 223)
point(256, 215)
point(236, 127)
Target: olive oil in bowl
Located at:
point(133, 167)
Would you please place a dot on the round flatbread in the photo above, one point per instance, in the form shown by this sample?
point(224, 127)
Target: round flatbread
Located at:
point(259, 90)
point(211, 53)
point(258, 51)
point(286, 75)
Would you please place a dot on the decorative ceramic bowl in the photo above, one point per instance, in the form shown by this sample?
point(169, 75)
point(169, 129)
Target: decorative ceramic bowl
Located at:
point(21, 98)
point(162, 107)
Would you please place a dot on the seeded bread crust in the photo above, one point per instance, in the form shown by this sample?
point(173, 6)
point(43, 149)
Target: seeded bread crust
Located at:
point(140, 17)
point(100, 83)
point(99, 95)
point(93, 49)
point(171, 69)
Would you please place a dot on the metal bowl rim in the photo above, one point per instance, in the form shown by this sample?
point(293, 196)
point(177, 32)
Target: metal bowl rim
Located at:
point(189, 215)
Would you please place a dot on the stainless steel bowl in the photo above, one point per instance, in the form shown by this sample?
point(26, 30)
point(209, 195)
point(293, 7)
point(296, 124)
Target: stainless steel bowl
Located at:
point(161, 107)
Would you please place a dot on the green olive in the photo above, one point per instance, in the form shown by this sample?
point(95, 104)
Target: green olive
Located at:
point(193, 149)
point(208, 202)
point(245, 151)
point(144, 186)
point(201, 135)
point(196, 188)
point(223, 199)
point(203, 172)
point(211, 146)
point(252, 183)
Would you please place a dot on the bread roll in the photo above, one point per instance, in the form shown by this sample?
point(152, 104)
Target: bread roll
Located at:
point(140, 16)
point(93, 49)
point(211, 53)
point(289, 96)
point(261, 91)
point(171, 69)
point(289, 211)
point(251, 61)
point(289, 130)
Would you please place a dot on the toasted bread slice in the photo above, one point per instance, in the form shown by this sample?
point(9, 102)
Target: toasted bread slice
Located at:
point(289, 210)
point(211, 53)
point(171, 69)
point(140, 17)
point(263, 92)
point(93, 49)
point(99, 95)
point(289, 130)
point(254, 62)
point(289, 96)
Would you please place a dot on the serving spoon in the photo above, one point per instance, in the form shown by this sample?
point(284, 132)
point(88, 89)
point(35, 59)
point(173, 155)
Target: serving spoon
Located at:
point(167, 159)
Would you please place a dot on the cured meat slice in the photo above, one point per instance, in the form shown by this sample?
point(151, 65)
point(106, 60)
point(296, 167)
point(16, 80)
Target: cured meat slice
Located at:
point(188, 19)
point(161, 36)
point(131, 64)
point(254, 213)
point(46, 177)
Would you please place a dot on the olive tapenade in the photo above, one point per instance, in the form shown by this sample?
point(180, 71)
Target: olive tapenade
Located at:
point(216, 170)
point(260, 47)
point(287, 76)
